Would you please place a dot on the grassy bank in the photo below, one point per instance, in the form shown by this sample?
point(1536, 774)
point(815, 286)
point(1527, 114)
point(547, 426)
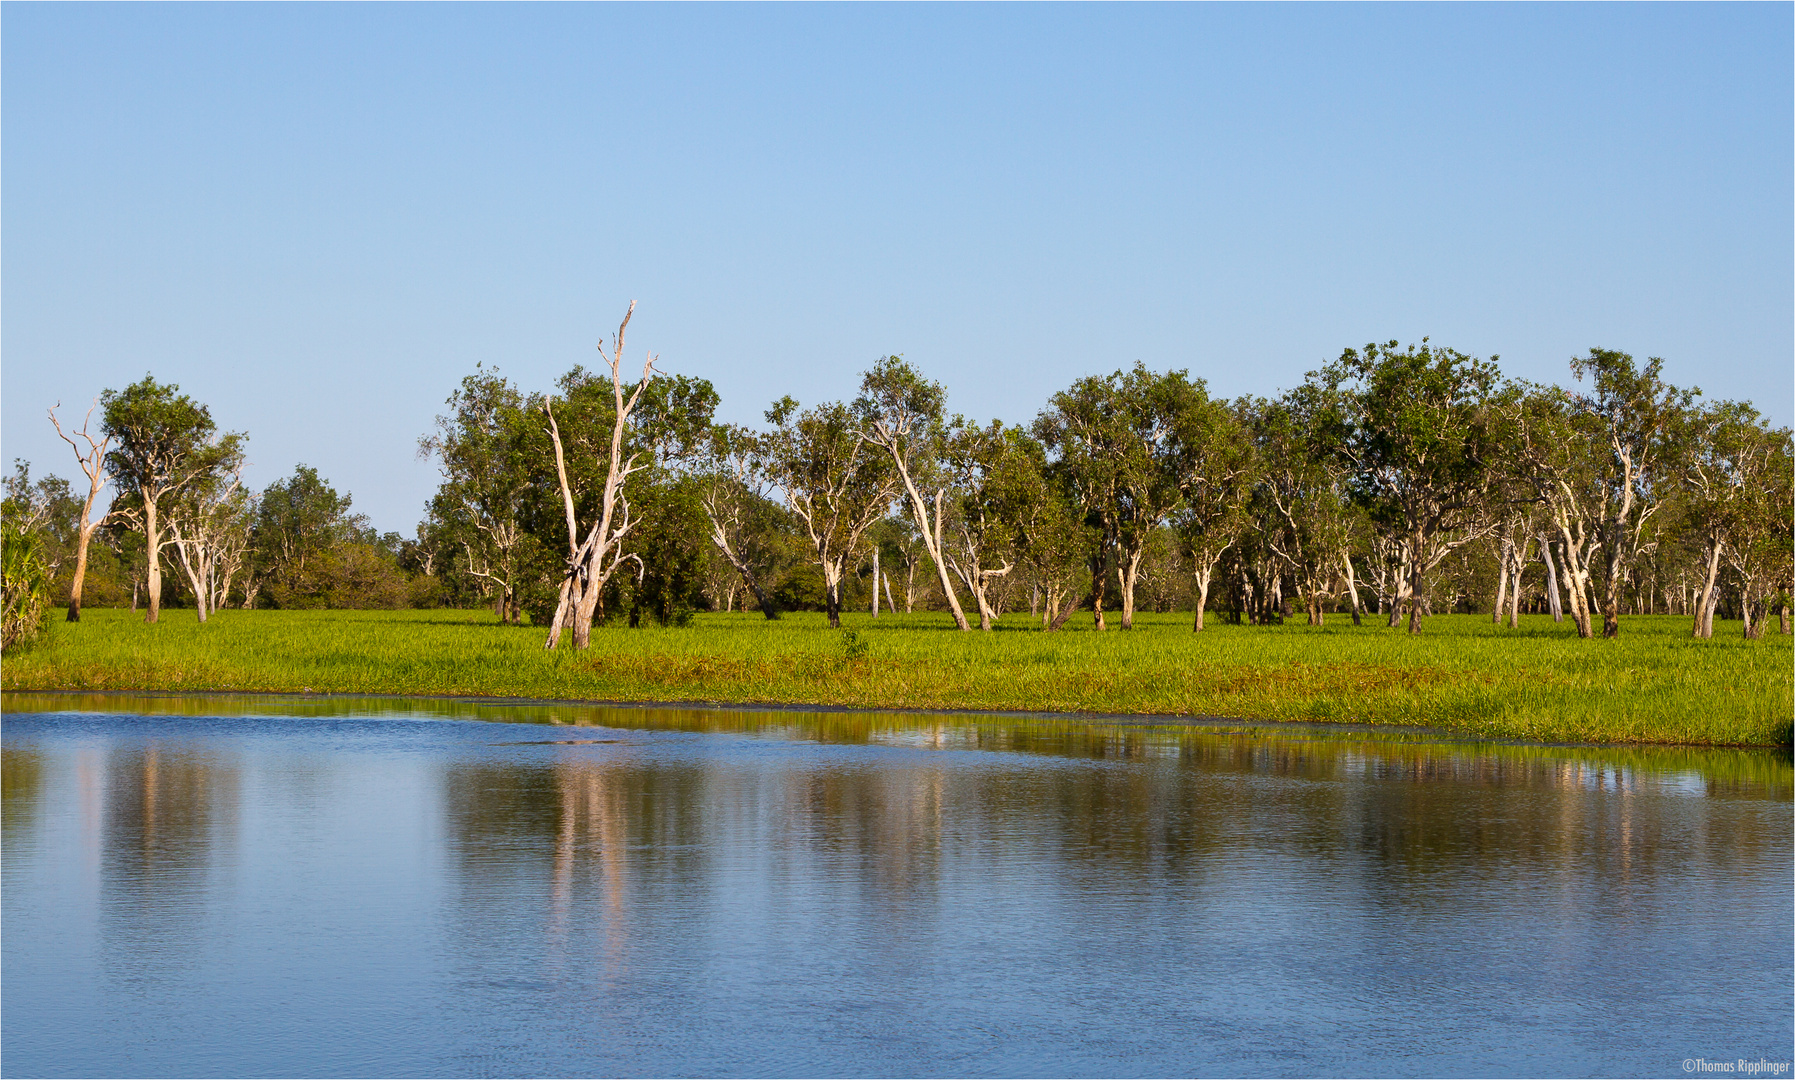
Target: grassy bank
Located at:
point(1540, 682)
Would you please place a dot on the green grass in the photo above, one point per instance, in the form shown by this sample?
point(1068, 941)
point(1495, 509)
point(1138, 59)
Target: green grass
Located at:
point(1539, 683)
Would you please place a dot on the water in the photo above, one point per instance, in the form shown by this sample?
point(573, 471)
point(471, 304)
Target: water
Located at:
point(248, 887)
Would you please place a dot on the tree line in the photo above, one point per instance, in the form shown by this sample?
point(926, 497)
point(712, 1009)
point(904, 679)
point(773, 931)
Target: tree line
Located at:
point(1392, 483)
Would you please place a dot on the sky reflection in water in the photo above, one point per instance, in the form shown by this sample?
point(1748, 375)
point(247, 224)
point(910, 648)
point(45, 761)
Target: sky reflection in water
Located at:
point(677, 892)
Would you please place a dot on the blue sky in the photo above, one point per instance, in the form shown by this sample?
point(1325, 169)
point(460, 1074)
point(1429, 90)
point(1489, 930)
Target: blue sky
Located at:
point(317, 218)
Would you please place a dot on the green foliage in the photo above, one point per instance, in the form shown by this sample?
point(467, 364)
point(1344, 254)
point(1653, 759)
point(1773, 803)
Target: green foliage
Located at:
point(25, 597)
point(164, 439)
point(349, 575)
point(674, 553)
point(310, 552)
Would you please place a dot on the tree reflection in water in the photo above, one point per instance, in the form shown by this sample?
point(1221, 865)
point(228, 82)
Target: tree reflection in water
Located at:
point(691, 891)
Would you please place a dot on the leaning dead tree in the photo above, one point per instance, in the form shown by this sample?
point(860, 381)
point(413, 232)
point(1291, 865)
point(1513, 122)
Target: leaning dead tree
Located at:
point(591, 562)
point(93, 464)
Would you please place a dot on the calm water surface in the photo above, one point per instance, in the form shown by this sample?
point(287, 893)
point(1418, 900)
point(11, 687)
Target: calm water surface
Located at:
point(258, 887)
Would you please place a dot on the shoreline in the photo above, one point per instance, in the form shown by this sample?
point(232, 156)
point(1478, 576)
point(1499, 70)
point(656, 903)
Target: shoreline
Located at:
point(1464, 680)
point(1419, 733)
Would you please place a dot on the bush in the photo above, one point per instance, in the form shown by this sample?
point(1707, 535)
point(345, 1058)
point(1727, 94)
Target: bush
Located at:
point(353, 575)
point(24, 588)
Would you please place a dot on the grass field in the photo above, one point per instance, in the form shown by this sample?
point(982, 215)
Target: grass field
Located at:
point(1540, 682)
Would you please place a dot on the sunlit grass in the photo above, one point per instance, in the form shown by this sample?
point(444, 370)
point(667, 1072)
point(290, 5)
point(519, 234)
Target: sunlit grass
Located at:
point(1539, 682)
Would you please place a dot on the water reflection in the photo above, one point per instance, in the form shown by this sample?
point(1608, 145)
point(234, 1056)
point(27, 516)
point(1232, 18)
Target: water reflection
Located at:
point(699, 892)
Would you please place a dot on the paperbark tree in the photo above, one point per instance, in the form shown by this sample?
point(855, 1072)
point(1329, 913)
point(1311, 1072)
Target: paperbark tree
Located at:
point(1549, 450)
point(1716, 465)
point(995, 472)
point(1513, 536)
point(1302, 474)
point(901, 413)
point(834, 480)
point(209, 525)
point(93, 466)
point(1758, 541)
point(1049, 534)
point(1080, 427)
point(741, 514)
point(1634, 411)
point(164, 441)
point(1210, 518)
point(1420, 432)
point(482, 447)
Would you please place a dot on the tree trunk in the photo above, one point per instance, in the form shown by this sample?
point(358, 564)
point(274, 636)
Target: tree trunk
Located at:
point(1415, 584)
point(1502, 558)
point(1352, 588)
point(1553, 603)
point(1611, 588)
point(588, 605)
point(75, 586)
point(1704, 596)
point(832, 594)
point(1126, 579)
point(875, 581)
point(938, 554)
point(152, 535)
point(1098, 580)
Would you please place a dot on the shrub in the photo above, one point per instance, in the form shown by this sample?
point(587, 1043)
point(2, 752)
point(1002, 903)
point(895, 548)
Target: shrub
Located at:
point(24, 587)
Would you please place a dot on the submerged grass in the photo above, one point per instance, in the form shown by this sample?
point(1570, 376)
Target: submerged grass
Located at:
point(1540, 682)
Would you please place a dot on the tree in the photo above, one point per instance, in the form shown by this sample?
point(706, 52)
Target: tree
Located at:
point(1737, 477)
point(299, 519)
point(996, 481)
point(1130, 443)
point(617, 429)
point(209, 523)
point(833, 480)
point(1051, 536)
point(744, 521)
point(1080, 428)
point(1550, 436)
point(484, 451)
point(164, 442)
point(1418, 430)
point(901, 413)
point(1301, 475)
point(1635, 412)
point(1221, 467)
point(93, 466)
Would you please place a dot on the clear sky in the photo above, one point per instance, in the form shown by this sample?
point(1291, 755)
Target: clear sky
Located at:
point(317, 218)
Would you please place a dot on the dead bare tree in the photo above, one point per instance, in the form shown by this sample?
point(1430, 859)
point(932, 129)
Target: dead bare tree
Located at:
point(591, 562)
point(93, 464)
